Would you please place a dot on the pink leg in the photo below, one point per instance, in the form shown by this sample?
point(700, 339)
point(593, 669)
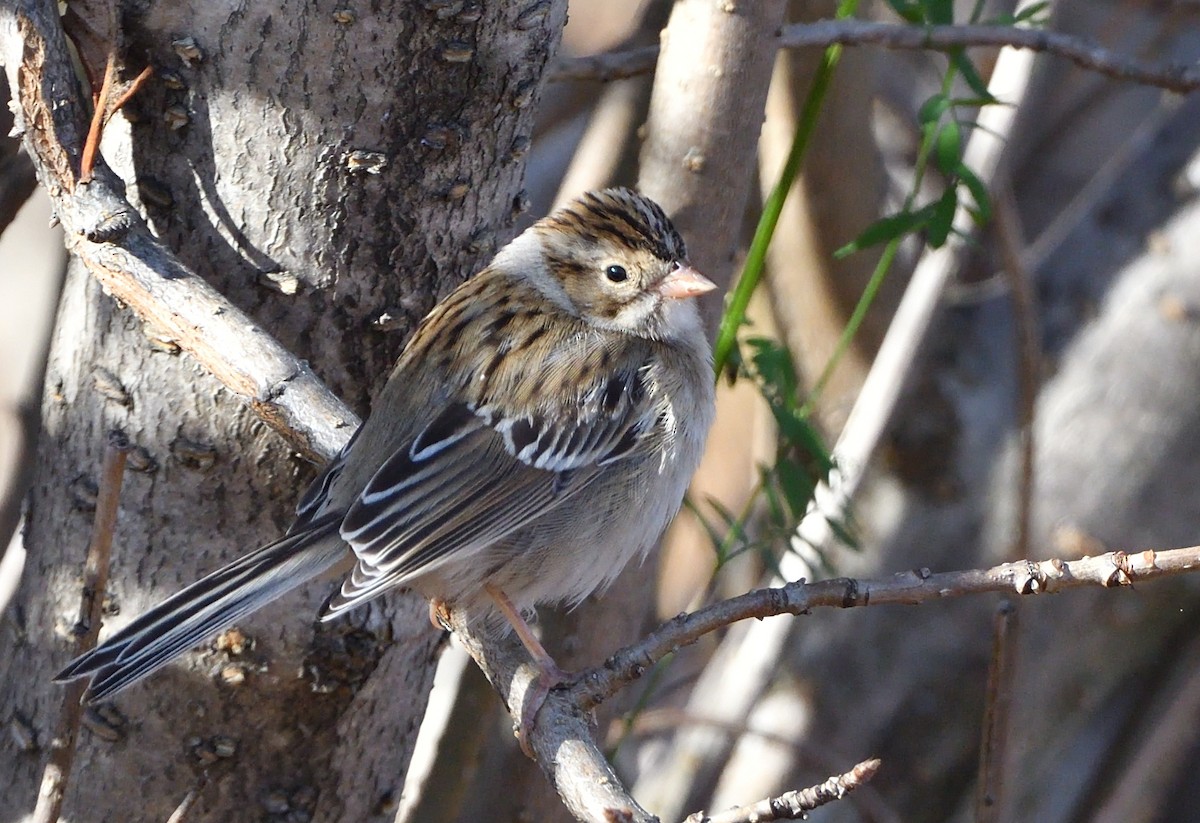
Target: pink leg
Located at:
point(549, 674)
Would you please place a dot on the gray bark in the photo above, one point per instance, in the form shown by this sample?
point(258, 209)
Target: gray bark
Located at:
point(332, 173)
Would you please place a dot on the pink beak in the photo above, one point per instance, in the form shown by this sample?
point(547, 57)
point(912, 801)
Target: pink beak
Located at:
point(685, 282)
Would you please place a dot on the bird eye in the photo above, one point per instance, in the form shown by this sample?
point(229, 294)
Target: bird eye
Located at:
point(616, 274)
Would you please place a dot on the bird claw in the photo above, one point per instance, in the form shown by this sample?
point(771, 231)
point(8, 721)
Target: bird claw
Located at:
point(439, 614)
point(549, 677)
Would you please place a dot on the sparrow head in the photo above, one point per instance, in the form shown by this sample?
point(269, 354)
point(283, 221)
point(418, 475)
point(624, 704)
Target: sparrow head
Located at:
point(613, 258)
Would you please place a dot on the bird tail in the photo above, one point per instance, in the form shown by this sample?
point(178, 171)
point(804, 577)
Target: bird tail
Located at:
point(206, 607)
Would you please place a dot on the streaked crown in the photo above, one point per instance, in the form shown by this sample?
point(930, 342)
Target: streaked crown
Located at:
point(623, 213)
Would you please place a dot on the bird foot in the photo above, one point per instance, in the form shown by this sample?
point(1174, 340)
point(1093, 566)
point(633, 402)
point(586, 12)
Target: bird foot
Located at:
point(550, 676)
point(439, 614)
point(549, 673)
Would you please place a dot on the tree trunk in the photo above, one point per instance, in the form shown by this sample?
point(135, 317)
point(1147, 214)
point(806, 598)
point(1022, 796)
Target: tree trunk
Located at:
point(332, 170)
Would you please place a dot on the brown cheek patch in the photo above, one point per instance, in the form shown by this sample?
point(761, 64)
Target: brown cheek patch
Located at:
point(565, 266)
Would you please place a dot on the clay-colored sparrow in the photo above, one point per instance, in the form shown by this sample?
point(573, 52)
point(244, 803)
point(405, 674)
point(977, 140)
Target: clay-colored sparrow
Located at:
point(537, 432)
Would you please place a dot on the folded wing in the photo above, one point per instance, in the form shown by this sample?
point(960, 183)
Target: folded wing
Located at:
point(476, 474)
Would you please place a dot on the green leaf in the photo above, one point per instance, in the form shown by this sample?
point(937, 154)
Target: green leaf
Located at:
point(979, 193)
point(797, 487)
point(773, 364)
point(714, 535)
point(843, 532)
point(735, 538)
point(908, 10)
point(942, 220)
point(774, 505)
point(939, 12)
point(885, 229)
point(1033, 13)
point(972, 103)
point(958, 59)
point(932, 109)
point(948, 147)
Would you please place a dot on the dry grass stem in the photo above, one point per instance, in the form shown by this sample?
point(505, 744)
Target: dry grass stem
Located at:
point(53, 789)
point(997, 711)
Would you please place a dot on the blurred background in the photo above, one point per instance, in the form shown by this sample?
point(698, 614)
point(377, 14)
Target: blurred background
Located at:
point(1051, 411)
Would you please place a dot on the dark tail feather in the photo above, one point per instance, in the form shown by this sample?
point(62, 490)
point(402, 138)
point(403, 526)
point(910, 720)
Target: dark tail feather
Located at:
point(206, 607)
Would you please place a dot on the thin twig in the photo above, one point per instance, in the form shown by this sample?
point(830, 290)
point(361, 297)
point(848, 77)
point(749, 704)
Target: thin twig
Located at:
point(607, 66)
point(189, 801)
point(993, 748)
point(134, 86)
point(795, 805)
point(53, 789)
point(91, 146)
point(1082, 51)
point(871, 804)
point(1024, 577)
point(1029, 355)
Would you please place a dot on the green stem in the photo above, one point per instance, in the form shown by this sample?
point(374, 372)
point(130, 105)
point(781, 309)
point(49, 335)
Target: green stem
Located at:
point(881, 268)
point(756, 257)
point(855, 321)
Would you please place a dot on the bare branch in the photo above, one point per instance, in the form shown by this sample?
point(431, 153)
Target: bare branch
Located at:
point(795, 805)
point(605, 67)
point(696, 136)
point(1024, 577)
point(1081, 51)
point(993, 750)
point(109, 237)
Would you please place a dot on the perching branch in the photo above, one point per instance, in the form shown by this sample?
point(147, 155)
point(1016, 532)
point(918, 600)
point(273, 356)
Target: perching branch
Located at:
point(911, 588)
point(1082, 51)
point(562, 738)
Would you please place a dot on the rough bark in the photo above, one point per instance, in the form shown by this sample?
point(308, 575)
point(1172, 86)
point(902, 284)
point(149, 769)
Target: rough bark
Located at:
point(332, 171)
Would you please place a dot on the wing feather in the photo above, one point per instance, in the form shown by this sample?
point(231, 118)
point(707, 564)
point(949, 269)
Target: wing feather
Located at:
point(474, 475)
